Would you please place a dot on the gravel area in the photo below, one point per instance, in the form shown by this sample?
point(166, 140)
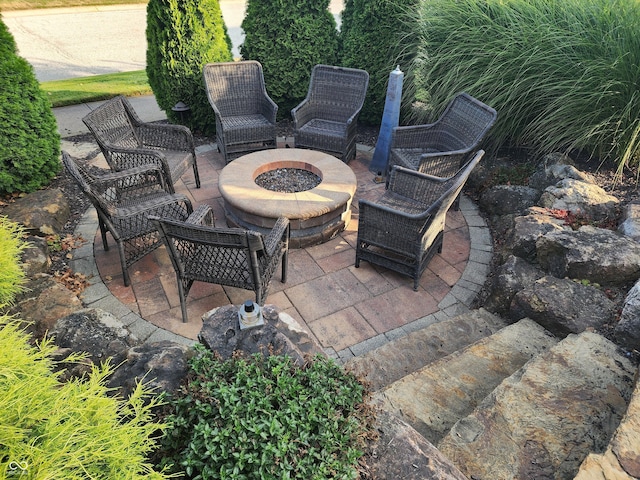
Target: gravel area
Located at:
point(288, 180)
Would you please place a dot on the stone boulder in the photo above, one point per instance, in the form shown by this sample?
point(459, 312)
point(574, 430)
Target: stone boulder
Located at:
point(627, 331)
point(506, 199)
point(401, 452)
point(42, 303)
point(159, 365)
point(630, 221)
point(511, 277)
point(35, 259)
point(94, 331)
point(48, 218)
point(580, 197)
point(594, 254)
point(521, 240)
point(280, 334)
point(621, 460)
point(563, 306)
point(557, 167)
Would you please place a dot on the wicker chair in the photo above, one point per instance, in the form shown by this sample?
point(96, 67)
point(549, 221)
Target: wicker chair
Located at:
point(226, 256)
point(326, 119)
point(126, 141)
point(441, 148)
point(404, 228)
point(245, 114)
point(123, 200)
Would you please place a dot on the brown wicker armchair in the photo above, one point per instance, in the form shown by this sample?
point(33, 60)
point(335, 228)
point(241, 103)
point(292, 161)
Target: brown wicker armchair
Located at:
point(245, 114)
point(327, 118)
point(226, 256)
point(404, 228)
point(123, 200)
point(441, 148)
point(126, 141)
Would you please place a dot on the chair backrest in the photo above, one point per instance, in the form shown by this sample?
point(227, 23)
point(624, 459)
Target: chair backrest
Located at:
point(205, 253)
point(85, 181)
point(114, 124)
point(466, 121)
point(235, 88)
point(453, 186)
point(339, 90)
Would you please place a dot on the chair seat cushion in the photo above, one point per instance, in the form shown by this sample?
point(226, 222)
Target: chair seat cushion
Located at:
point(318, 126)
point(247, 129)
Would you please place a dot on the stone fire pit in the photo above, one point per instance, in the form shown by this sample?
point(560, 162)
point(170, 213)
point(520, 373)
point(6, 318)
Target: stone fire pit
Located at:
point(315, 215)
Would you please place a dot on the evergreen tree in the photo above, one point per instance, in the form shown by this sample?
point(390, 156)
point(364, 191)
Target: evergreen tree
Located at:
point(29, 139)
point(374, 37)
point(288, 38)
point(183, 36)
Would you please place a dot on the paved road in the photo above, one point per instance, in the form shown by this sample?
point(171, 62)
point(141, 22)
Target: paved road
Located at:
point(78, 42)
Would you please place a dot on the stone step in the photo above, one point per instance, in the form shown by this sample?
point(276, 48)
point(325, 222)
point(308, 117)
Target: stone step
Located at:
point(392, 361)
point(542, 421)
point(435, 397)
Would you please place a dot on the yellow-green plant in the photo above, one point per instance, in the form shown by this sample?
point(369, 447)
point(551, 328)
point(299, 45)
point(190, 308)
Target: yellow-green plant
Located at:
point(11, 274)
point(73, 430)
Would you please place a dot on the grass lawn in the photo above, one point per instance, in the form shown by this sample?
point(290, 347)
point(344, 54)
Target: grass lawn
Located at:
point(7, 5)
point(98, 87)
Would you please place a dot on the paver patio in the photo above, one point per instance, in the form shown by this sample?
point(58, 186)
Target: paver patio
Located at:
point(348, 310)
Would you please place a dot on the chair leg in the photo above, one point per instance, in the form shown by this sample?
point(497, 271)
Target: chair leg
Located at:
point(123, 264)
point(285, 266)
point(183, 301)
point(196, 174)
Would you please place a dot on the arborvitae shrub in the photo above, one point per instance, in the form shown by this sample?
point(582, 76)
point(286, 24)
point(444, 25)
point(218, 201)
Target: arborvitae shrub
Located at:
point(374, 37)
point(29, 139)
point(11, 272)
point(181, 38)
point(288, 38)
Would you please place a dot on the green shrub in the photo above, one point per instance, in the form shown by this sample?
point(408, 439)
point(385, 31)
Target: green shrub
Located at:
point(288, 38)
point(29, 139)
point(562, 74)
point(11, 274)
point(70, 430)
point(181, 38)
point(264, 417)
point(376, 37)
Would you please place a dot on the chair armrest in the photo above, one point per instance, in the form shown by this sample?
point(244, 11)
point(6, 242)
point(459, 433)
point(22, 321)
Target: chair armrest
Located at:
point(273, 239)
point(168, 137)
point(203, 215)
point(416, 185)
point(268, 108)
point(302, 113)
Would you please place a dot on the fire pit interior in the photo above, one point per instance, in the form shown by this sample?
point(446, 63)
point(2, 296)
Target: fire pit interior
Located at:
point(289, 179)
point(259, 187)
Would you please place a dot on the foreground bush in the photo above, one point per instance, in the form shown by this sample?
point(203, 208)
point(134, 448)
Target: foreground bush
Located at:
point(71, 430)
point(375, 36)
point(29, 139)
point(288, 38)
point(181, 38)
point(562, 74)
point(12, 275)
point(265, 418)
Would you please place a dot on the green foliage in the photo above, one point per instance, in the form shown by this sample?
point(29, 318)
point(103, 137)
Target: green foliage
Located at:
point(376, 36)
point(29, 139)
point(264, 417)
point(562, 74)
point(288, 38)
point(70, 430)
point(182, 37)
point(11, 274)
